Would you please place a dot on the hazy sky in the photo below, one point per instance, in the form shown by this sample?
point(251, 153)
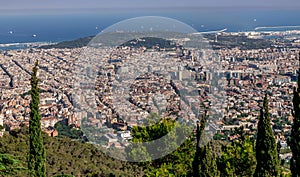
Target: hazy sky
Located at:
point(129, 4)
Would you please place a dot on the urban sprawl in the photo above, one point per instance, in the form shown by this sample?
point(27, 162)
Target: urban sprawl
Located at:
point(230, 84)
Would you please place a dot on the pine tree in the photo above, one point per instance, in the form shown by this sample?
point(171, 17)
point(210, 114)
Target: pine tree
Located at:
point(266, 147)
point(295, 133)
point(208, 162)
point(37, 154)
point(238, 158)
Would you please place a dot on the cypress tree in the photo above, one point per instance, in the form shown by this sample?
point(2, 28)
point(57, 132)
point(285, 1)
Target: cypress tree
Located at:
point(205, 161)
point(37, 154)
point(199, 131)
point(266, 147)
point(295, 133)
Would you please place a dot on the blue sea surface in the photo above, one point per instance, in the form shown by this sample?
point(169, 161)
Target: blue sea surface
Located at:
point(52, 27)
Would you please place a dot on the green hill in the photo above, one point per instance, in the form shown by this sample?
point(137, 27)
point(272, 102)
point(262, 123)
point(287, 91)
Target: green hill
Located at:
point(232, 41)
point(81, 42)
point(148, 42)
point(66, 156)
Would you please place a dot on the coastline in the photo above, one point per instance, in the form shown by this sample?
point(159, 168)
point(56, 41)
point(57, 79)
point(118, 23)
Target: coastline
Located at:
point(24, 45)
point(285, 30)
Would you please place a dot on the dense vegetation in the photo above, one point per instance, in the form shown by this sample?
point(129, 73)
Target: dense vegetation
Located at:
point(190, 159)
point(238, 158)
point(178, 163)
point(70, 131)
point(243, 42)
point(200, 157)
point(150, 42)
point(65, 156)
point(70, 44)
point(10, 165)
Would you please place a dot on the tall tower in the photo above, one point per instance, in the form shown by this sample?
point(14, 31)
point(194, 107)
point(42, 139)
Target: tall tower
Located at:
point(180, 73)
point(193, 60)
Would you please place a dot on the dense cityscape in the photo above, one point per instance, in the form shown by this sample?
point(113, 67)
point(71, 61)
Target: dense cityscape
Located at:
point(231, 83)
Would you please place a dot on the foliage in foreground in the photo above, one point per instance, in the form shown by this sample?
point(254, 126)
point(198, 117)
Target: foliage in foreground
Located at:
point(177, 163)
point(238, 158)
point(66, 157)
point(10, 165)
point(181, 162)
